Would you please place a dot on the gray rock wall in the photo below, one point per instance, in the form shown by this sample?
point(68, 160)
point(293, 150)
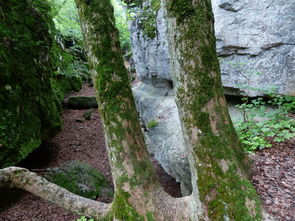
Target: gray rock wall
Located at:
point(255, 40)
point(255, 43)
point(155, 99)
point(151, 56)
point(165, 141)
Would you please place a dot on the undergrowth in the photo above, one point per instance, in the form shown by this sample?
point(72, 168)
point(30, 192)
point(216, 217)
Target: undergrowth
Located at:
point(266, 121)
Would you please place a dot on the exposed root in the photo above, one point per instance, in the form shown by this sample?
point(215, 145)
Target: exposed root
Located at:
point(17, 177)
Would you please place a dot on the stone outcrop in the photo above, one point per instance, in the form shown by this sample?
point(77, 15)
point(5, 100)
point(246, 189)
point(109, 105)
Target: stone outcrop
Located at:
point(151, 56)
point(155, 99)
point(29, 109)
point(255, 43)
point(164, 141)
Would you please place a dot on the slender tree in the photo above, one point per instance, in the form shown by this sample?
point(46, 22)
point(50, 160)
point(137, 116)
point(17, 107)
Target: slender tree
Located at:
point(221, 189)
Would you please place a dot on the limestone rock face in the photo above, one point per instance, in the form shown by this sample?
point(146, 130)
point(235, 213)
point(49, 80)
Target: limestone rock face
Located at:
point(151, 56)
point(164, 141)
point(256, 41)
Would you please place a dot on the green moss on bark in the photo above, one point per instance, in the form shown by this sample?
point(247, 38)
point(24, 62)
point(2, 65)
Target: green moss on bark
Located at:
point(122, 210)
point(223, 185)
point(126, 147)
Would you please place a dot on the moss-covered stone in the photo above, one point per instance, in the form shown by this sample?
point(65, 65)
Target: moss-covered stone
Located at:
point(81, 179)
point(80, 102)
point(63, 84)
point(29, 110)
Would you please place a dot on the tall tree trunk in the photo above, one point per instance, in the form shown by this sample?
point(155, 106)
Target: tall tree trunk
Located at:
point(220, 179)
point(137, 191)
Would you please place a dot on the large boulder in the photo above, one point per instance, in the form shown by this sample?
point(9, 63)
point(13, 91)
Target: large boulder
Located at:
point(81, 179)
point(29, 109)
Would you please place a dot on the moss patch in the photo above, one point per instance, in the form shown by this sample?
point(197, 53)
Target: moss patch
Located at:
point(81, 179)
point(29, 110)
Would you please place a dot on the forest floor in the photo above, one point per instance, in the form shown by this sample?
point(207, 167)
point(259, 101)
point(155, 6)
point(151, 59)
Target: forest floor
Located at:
point(83, 140)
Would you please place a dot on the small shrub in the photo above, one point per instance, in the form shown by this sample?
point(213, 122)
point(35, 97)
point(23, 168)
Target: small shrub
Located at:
point(87, 114)
point(84, 218)
point(273, 126)
point(152, 124)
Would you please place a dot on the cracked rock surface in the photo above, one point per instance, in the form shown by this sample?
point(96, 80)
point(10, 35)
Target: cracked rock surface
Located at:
point(255, 43)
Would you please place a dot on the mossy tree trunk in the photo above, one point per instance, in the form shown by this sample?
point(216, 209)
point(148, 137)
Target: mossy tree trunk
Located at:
point(138, 194)
point(219, 165)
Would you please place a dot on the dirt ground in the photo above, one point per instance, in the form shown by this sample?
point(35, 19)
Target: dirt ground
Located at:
point(275, 179)
point(83, 140)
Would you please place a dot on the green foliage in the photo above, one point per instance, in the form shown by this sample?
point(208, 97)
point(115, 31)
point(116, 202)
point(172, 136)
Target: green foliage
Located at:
point(66, 18)
point(133, 3)
point(261, 126)
point(84, 218)
point(148, 18)
point(87, 114)
point(122, 25)
point(155, 4)
point(68, 49)
point(146, 13)
point(152, 124)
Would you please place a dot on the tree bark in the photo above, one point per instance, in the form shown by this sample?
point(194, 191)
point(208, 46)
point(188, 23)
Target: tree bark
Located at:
point(16, 177)
point(138, 194)
point(219, 164)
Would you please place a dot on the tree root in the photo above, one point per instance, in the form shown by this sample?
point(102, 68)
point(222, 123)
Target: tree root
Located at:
point(17, 177)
